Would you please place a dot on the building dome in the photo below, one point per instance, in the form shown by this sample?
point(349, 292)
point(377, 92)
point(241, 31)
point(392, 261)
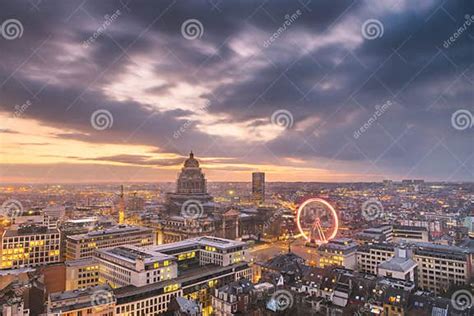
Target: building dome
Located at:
point(191, 162)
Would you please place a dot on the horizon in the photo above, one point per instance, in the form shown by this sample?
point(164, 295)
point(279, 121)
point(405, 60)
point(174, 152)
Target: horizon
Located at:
point(305, 92)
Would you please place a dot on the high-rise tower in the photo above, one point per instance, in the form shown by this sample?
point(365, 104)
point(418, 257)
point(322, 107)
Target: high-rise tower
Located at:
point(258, 187)
point(121, 214)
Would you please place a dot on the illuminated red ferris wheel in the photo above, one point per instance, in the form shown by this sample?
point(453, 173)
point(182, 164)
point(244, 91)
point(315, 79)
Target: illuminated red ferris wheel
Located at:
point(317, 221)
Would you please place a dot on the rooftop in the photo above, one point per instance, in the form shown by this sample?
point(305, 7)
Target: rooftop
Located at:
point(398, 264)
point(75, 294)
point(132, 253)
point(435, 248)
point(342, 244)
point(219, 243)
point(79, 262)
point(201, 272)
point(237, 287)
point(412, 228)
point(119, 229)
point(30, 230)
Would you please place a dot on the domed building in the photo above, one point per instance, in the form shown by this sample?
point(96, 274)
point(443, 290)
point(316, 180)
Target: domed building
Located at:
point(189, 210)
point(191, 180)
point(191, 198)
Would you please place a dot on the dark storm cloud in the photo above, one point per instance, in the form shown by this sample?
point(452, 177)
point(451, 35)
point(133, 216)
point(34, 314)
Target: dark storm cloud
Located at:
point(330, 84)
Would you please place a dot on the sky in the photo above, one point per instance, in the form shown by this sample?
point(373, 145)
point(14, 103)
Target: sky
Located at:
point(304, 90)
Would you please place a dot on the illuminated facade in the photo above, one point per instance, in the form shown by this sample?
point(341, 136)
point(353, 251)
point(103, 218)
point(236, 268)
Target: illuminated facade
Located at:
point(190, 186)
point(338, 252)
point(199, 285)
point(145, 279)
point(189, 210)
point(29, 246)
point(84, 245)
point(81, 273)
point(124, 265)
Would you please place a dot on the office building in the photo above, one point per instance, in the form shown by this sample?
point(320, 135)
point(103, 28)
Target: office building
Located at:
point(440, 266)
point(338, 252)
point(124, 265)
point(145, 280)
point(258, 187)
point(81, 273)
point(196, 284)
point(382, 233)
point(371, 255)
point(29, 246)
point(84, 245)
point(410, 234)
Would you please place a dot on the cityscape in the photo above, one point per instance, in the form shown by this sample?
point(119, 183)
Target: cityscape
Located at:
point(223, 158)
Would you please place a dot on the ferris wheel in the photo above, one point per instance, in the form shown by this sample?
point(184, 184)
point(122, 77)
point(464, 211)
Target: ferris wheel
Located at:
point(317, 221)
